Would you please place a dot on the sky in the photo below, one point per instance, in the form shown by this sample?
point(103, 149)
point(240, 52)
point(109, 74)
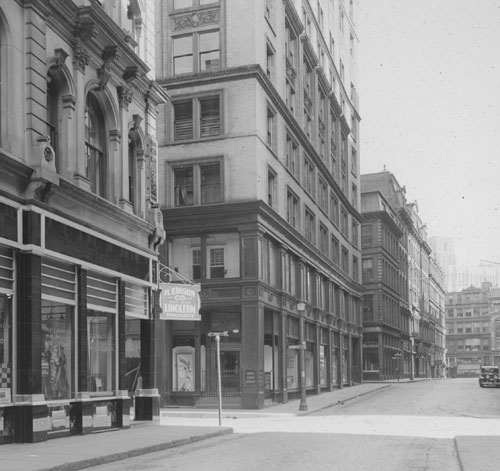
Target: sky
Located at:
point(429, 89)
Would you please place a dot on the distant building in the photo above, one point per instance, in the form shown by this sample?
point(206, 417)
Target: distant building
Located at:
point(473, 327)
point(403, 320)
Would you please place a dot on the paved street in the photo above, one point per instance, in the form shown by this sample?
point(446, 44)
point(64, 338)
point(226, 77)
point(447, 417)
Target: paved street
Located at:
point(403, 427)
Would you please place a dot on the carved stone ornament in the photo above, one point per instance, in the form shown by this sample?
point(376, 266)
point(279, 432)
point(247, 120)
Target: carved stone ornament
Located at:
point(104, 77)
point(196, 19)
point(125, 96)
point(61, 56)
point(110, 54)
point(82, 57)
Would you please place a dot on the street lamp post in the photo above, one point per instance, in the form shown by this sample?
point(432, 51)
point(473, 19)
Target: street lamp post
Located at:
point(301, 308)
point(217, 336)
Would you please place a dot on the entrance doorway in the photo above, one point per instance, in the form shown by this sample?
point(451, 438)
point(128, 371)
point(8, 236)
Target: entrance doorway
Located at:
point(230, 373)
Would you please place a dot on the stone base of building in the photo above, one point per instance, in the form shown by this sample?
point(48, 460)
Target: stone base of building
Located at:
point(32, 419)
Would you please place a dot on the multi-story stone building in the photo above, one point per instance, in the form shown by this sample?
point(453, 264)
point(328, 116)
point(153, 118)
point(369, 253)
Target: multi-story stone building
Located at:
point(403, 295)
point(79, 219)
point(473, 328)
point(259, 163)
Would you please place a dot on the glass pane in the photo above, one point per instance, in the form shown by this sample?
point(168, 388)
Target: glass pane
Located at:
point(57, 350)
point(210, 61)
point(132, 353)
point(183, 65)
point(183, 120)
point(101, 351)
point(183, 186)
point(183, 46)
point(209, 117)
point(183, 4)
point(210, 184)
point(209, 41)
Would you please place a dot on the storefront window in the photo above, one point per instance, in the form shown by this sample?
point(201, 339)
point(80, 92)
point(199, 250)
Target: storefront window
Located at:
point(370, 362)
point(344, 366)
point(5, 343)
point(57, 350)
point(132, 354)
point(292, 369)
point(335, 378)
point(322, 365)
point(101, 348)
point(183, 358)
point(309, 366)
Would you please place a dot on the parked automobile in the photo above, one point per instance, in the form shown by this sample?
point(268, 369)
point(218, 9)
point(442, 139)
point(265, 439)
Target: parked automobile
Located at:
point(489, 376)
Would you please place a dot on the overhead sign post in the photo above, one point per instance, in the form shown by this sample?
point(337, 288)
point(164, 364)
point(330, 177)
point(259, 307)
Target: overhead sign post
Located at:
point(180, 302)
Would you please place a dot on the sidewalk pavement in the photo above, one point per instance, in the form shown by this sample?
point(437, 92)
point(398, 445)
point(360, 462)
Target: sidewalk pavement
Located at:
point(80, 452)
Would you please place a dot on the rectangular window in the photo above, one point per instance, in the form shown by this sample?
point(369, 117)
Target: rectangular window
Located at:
point(209, 51)
point(334, 209)
point(271, 187)
point(210, 184)
point(344, 223)
point(354, 233)
point(183, 55)
point(197, 118)
point(216, 263)
point(323, 195)
point(270, 53)
point(183, 120)
point(196, 268)
point(292, 215)
point(197, 52)
point(367, 267)
point(198, 184)
point(309, 176)
point(292, 155)
point(345, 260)
point(222, 255)
point(335, 250)
point(271, 128)
point(366, 235)
point(183, 186)
point(209, 116)
point(323, 239)
point(310, 225)
point(355, 268)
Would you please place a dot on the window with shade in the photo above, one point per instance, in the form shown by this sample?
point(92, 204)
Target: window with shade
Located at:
point(196, 118)
point(197, 184)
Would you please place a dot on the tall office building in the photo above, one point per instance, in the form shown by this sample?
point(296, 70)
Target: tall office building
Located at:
point(79, 220)
point(259, 177)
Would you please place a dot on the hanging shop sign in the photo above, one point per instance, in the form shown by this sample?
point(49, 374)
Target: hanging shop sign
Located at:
point(180, 302)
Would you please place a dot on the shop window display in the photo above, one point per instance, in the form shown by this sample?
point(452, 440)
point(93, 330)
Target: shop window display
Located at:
point(101, 350)
point(133, 354)
point(57, 350)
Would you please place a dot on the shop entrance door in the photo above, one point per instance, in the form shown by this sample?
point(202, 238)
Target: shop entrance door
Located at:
point(230, 373)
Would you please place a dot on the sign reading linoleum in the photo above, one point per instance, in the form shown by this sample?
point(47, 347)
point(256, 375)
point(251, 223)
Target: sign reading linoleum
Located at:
point(180, 302)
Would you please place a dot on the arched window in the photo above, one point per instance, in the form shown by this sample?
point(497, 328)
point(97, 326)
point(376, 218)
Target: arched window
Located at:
point(132, 171)
point(95, 146)
point(53, 114)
